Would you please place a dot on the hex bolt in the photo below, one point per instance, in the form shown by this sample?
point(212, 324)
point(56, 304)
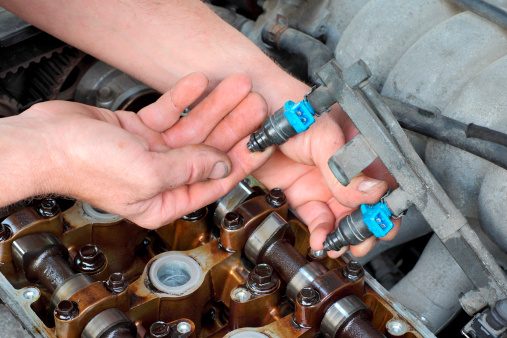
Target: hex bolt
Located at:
point(262, 274)
point(308, 297)
point(353, 271)
point(233, 221)
point(5, 232)
point(48, 208)
point(276, 197)
point(196, 215)
point(90, 259)
point(116, 283)
point(66, 310)
point(262, 279)
point(160, 330)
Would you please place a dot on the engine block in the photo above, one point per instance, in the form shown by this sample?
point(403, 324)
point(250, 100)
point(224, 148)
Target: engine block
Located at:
point(241, 267)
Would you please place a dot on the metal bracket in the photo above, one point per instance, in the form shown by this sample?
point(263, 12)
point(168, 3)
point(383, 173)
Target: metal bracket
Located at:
point(381, 136)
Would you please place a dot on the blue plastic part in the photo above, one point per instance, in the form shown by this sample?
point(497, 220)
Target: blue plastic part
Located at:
point(377, 218)
point(299, 115)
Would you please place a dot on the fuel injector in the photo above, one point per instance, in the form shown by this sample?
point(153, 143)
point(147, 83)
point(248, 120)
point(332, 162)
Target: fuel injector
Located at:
point(367, 221)
point(294, 118)
point(290, 120)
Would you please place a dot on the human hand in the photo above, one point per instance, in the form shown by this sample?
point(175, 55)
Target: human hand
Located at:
point(154, 175)
point(301, 169)
point(160, 50)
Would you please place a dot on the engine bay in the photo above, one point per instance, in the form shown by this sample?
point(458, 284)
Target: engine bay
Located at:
point(242, 266)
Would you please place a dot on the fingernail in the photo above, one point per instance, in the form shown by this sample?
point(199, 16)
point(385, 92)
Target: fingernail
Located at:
point(220, 170)
point(366, 185)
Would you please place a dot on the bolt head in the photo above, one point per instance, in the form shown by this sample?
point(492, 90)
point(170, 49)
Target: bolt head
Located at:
point(262, 279)
point(353, 271)
point(160, 330)
point(233, 221)
point(262, 274)
point(90, 259)
point(117, 283)
point(48, 208)
point(276, 197)
point(66, 310)
point(308, 297)
point(5, 232)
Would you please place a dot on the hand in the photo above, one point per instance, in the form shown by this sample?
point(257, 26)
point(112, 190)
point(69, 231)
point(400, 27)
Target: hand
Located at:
point(212, 46)
point(301, 170)
point(150, 176)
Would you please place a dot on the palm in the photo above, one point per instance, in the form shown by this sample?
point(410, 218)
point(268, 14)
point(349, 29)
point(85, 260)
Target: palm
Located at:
point(150, 167)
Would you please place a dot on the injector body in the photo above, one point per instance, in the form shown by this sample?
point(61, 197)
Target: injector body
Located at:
point(290, 120)
point(285, 123)
point(365, 222)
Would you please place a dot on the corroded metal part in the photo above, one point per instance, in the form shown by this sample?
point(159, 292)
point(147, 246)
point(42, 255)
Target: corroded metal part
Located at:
point(253, 212)
point(93, 300)
point(187, 232)
point(227, 293)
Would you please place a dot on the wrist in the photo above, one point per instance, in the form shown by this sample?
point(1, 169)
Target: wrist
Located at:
point(26, 165)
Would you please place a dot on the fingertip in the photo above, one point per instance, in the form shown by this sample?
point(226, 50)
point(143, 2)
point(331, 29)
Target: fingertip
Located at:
point(188, 89)
point(242, 79)
point(201, 162)
point(367, 184)
point(318, 235)
point(198, 80)
point(363, 190)
point(220, 170)
point(259, 104)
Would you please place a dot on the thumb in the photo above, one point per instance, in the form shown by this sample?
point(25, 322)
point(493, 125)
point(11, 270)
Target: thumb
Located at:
point(189, 164)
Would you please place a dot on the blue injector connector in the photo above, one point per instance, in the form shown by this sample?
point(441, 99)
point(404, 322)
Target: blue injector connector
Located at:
point(367, 221)
point(377, 218)
point(300, 115)
point(285, 123)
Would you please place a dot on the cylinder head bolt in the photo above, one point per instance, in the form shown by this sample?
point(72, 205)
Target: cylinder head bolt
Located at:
point(90, 259)
point(276, 197)
point(160, 330)
point(66, 310)
point(48, 208)
point(233, 221)
point(117, 283)
point(262, 279)
point(353, 271)
point(308, 297)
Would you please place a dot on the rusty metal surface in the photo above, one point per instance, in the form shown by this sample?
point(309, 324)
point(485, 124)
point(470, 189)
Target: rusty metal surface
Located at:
point(227, 295)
